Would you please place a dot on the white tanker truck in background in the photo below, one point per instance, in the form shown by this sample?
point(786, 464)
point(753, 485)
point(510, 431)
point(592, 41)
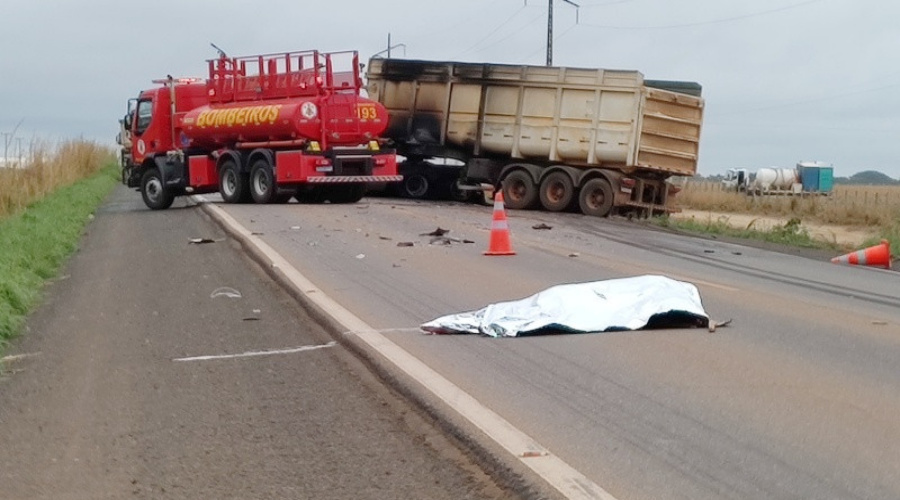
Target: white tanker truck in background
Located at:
point(808, 177)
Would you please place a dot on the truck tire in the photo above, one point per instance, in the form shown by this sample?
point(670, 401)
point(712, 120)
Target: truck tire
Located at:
point(416, 186)
point(233, 185)
point(519, 191)
point(557, 192)
point(262, 182)
point(154, 192)
point(596, 198)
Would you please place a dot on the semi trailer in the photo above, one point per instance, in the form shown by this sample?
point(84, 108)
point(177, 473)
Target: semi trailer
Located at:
point(263, 128)
point(598, 140)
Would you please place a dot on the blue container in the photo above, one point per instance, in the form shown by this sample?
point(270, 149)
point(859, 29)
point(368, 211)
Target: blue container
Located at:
point(826, 179)
point(810, 178)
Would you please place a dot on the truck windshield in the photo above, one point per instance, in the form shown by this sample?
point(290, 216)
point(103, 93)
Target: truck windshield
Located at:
point(144, 115)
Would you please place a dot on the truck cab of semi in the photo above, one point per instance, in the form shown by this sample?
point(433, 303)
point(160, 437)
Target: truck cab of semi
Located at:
point(736, 179)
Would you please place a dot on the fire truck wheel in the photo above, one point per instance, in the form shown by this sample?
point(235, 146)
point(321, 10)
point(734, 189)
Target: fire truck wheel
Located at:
point(519, 191)
point(596, 198)
point(415, 186)
point(557, 192)
point(232, 184)
point(262, 182)
point(154, 193)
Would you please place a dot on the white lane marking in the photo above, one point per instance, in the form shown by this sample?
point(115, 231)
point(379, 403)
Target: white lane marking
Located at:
point(571, 483)
point(706, 283)
point(259, 353)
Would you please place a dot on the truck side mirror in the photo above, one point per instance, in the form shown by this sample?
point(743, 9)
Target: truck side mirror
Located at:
point(127, 122)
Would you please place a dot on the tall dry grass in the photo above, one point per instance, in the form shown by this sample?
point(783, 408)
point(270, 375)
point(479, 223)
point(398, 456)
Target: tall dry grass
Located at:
point(47, 168)
point(857, 206)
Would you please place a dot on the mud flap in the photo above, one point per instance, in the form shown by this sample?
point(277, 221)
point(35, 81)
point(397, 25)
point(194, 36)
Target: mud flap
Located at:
point(172, 172)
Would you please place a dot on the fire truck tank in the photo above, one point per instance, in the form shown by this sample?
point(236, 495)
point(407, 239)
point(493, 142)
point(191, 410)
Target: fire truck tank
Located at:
point(284, 97)
point(348, 119)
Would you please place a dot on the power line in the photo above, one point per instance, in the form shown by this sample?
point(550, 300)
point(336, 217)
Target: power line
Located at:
point(514, 33)
point(493, 31)
point(808, 101)
point(555, 39)
point(465, 20)
point(702, 23)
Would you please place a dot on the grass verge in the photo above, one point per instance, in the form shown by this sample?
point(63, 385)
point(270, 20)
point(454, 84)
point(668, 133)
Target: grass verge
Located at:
point(36, 241)
point(791, 233)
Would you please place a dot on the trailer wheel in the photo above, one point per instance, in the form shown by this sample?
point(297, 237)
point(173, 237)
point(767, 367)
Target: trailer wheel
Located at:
point(557, 192)
point(416, 186)
point(596, 198)
point(519, 191)
point(233, 184)
point(262, 182)
point(154, 192)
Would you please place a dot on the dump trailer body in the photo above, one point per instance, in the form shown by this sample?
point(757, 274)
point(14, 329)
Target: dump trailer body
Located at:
point(543, 116)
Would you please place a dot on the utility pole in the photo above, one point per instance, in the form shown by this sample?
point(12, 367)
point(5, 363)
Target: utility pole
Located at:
point(391, 47)
point(550, 28)
point(6, 138)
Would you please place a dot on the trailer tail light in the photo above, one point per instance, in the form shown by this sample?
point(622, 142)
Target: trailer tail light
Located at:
point(627, 185)
point(323, 162)
point(380, 161)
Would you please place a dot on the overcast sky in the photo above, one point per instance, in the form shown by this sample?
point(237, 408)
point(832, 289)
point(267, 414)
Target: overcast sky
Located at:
point(784, 80)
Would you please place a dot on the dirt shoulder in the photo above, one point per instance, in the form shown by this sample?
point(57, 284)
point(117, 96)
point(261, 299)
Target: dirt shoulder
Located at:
point(845, 236)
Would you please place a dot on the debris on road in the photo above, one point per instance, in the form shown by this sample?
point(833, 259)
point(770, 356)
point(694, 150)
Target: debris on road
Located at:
point(599, 306)
point(17, 357)
point(541, 226)
point(361, 256)
point(255, 317)
point(201, 241)
point(225, 291)
point(718, 324)
point(437, 232)
point(574, 254)
point(446, 240)
point(406, 244)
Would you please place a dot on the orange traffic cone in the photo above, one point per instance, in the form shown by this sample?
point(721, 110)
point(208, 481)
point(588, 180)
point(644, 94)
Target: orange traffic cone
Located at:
point(499, 229)
point(876, 256)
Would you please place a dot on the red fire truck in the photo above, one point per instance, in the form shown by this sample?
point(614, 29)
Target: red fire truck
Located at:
point(263, 128)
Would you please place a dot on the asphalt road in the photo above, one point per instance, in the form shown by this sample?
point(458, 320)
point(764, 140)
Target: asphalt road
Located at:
point(798, 398)
point(105, 396)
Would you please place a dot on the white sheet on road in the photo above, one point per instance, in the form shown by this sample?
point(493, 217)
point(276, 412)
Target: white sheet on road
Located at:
point(598, 306)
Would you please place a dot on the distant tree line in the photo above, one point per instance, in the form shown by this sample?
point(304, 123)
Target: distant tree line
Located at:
point(869, 178)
